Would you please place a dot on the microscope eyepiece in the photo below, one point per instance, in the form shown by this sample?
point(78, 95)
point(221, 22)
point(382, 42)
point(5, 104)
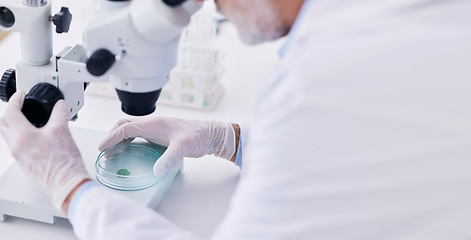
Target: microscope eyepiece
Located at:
point(138, 104)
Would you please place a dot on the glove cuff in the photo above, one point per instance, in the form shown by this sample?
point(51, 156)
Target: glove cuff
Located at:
point(61, 194)
point(228, 145)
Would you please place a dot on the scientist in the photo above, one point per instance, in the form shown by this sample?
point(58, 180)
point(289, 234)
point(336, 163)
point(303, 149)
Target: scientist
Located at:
point(362, 132)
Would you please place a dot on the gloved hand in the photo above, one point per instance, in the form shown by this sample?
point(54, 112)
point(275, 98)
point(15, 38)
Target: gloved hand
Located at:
point(48, 155)
point(184, 138)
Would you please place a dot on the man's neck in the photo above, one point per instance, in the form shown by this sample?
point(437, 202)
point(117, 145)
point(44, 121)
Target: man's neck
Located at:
point(289, 11)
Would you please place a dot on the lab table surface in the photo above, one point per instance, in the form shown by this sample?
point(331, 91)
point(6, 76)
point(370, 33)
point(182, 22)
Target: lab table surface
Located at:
point(205, 180)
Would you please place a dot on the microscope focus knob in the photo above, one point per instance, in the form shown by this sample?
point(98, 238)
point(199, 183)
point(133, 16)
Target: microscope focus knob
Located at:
point(7, 85)
point(100, 62)
point(39, 102)
point(62, 20)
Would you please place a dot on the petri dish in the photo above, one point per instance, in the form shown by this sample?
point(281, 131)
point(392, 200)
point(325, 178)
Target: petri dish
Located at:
point(127, 167)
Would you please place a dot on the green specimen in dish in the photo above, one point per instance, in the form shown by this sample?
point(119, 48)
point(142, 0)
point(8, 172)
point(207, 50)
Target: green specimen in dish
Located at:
point(123, 172)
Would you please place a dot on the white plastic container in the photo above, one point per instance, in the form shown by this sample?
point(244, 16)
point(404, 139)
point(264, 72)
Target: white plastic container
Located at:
point(195, 81)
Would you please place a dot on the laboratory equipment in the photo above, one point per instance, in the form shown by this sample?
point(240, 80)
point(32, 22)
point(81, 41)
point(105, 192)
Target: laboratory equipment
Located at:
point(131, 44)
point(195, 81)
point(128, 167)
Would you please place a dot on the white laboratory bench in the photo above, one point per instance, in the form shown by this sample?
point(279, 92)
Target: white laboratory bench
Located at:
point(203, 181)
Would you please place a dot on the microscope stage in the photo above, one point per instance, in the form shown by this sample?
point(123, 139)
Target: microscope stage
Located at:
point(19, 196)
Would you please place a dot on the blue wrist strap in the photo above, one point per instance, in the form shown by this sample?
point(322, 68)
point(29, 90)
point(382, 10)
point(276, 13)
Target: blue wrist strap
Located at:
point(238, 161)
point(76, 198)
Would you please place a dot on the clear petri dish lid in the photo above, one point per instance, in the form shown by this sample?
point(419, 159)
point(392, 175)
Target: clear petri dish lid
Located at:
point(127, 167)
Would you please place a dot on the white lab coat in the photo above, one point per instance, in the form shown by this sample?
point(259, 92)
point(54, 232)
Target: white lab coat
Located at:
point(362, 132)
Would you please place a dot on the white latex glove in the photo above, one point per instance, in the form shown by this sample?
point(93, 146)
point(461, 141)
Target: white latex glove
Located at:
point(48, 155)
point(184, 138)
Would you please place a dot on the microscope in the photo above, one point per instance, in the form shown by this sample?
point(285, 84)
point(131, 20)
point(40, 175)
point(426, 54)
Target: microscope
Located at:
point(132, 45)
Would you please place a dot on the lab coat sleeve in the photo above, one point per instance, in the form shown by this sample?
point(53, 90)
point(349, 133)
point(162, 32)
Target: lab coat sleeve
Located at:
point(98, 213)
point(243, 141)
